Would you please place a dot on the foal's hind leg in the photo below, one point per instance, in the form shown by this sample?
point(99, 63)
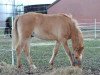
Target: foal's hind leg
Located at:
point(27, 53)
point(19, 50)
point(55, 51)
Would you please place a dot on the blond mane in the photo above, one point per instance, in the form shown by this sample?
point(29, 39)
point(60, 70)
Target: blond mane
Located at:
point(76, 35)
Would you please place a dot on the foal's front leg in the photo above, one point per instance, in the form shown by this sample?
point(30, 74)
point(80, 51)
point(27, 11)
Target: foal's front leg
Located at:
point(55, 51)
point(65, 44)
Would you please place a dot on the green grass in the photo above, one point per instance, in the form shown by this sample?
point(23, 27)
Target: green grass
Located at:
point(91, 58)
point(92, 54)
point(42, 54)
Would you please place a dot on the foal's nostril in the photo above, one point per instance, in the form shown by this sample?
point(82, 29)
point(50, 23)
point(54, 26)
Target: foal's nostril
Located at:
point(76, 57)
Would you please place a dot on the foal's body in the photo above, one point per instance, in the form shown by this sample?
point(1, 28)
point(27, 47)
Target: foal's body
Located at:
point(57, 27)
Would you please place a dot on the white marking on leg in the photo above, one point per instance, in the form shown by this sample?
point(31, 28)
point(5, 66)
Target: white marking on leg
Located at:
point(30, 63)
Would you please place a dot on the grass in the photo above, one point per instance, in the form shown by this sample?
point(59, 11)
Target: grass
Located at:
point(42, 54)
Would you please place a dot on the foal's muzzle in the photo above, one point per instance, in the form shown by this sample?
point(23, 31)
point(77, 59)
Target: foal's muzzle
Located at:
point(76, 61)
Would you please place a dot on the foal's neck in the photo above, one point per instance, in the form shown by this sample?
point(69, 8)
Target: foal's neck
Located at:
point(76, 37)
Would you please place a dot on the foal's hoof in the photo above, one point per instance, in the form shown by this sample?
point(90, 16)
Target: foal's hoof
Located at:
point(32, 70)
point(50, 66)
point(30, 73)
point(19, 71)
point(33, 67)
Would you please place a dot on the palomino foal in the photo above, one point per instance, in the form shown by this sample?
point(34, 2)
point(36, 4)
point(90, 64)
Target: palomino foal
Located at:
point(58, 27)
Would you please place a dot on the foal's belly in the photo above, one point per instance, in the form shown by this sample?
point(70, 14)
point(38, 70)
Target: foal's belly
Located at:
point(47, 34)
point(44, 36)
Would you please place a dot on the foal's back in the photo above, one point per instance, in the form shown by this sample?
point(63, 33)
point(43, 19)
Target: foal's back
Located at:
point(45, 26)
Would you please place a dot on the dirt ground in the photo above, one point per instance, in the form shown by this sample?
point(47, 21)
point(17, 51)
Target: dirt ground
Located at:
point(7, 69)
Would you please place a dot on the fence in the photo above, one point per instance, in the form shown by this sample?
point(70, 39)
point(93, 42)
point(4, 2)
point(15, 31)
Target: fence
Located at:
point(92, 27)
point(7, 9)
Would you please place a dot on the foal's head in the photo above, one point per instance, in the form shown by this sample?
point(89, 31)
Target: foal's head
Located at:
point(78, 56)
point(77, 43)
point(78, 50)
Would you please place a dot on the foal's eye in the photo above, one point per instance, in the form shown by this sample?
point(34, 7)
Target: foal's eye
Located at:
point(76, 49)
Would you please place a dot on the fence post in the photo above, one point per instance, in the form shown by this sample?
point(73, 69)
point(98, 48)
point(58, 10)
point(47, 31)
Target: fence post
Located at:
point(95, 29)
point(12, 56)
point(12, 51)
point(12, 29)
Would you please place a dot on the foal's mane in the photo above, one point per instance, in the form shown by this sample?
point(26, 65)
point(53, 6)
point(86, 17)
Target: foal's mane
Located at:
point(76, 35)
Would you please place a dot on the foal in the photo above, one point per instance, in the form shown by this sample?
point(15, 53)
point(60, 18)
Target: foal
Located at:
point(58, 27)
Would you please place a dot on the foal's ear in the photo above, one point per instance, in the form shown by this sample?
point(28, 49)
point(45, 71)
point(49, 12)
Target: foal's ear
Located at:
point(70, 15)
point(81, 50)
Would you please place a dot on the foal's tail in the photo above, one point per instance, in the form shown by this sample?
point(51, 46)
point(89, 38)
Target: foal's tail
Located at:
point(15, 37)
